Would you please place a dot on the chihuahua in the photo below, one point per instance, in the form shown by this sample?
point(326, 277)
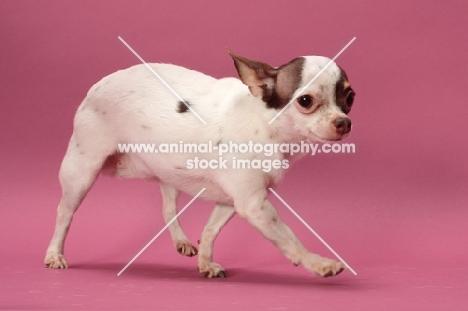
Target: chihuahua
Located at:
point(132, 106)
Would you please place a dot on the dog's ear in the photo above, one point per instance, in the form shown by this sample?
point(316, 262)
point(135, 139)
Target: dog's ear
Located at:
point(258, 76)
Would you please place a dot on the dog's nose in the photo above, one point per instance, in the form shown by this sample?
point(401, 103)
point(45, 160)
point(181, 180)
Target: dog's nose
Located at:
point(342, 125)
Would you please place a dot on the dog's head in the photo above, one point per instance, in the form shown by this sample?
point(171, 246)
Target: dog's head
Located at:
point(317, 112)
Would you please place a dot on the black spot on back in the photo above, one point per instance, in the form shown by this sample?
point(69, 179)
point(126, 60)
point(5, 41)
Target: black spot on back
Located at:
point(181, 107)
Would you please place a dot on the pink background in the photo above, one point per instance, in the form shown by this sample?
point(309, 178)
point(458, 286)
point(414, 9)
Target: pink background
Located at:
point(395, 210)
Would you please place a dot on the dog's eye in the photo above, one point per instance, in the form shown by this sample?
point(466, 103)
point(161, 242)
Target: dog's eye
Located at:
point(350, 100)
point(305, 101)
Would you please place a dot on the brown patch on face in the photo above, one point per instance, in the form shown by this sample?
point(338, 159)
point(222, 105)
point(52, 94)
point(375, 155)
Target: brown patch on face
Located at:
point(287, 82)
point(344, 94)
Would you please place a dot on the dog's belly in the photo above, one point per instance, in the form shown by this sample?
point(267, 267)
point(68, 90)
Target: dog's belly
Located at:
point(157, 167)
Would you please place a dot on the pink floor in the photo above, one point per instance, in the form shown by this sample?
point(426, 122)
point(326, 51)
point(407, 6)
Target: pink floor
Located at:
point(396, 210)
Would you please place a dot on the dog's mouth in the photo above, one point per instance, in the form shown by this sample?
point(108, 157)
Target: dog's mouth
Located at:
point(314, 138)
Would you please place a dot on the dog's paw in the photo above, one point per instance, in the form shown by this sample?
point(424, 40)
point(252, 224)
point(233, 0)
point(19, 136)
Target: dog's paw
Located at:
point(186, 248)
point(56, 261)
point(212, 270)
point(323, 266)
point(329, 267)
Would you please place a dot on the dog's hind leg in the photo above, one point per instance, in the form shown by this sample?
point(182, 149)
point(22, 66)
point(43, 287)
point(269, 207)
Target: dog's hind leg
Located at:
point(218, 219)
point(78, 171)
point(181, 242)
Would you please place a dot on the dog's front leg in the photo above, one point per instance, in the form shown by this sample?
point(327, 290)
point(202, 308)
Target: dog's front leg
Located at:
point(260, 213)
point(218, 218)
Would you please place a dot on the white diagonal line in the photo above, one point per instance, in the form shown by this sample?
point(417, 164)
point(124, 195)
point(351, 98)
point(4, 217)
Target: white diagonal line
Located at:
point(313, 79)
point(161, 231)
point(162, 80)
point(313, 231)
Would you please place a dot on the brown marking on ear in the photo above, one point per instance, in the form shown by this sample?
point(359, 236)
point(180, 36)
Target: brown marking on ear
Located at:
point(259, 77)
point(287, 82)
point(275, 86)
point(342, 91)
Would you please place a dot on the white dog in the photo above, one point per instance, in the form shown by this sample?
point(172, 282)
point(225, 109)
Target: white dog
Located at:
point(132, 106)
